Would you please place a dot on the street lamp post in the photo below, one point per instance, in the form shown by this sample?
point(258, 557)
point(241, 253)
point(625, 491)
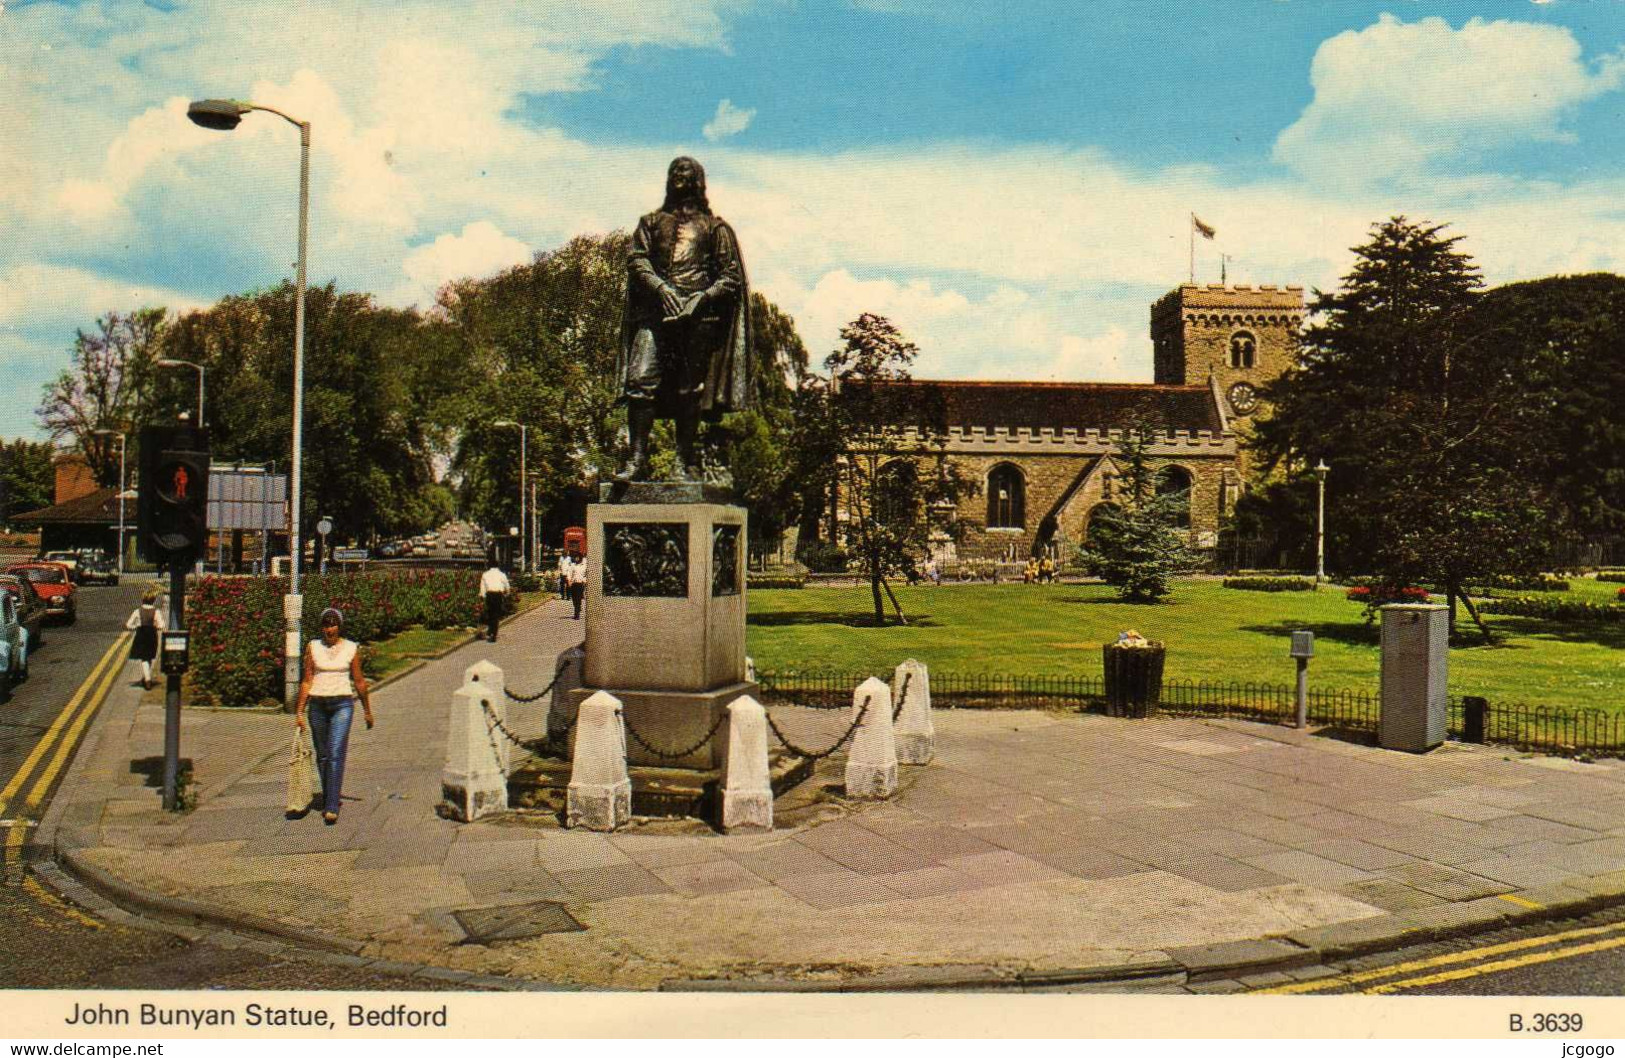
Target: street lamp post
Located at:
point(1321, 470)
point(121, 489)
point(523, 565)
point(225, 115)
point(166, 362)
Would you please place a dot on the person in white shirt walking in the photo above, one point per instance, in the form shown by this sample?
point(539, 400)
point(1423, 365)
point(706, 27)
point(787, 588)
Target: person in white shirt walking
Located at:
point(146, 621)
point(332, 680)
point(575, 576)
point(494, 583)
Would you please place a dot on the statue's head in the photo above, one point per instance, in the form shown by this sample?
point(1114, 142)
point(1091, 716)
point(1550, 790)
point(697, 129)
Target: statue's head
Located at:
point(685, 185)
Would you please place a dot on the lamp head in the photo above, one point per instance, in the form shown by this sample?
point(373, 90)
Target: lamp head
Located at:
point(220, 114)
point(166, 362)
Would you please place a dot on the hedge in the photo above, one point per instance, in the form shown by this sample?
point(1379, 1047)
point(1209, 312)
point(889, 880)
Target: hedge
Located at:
point(1270, 583)
point(1554, 609)
point(775, 580)
point(1540, 582)
point(1610, 577)
point(236, 622)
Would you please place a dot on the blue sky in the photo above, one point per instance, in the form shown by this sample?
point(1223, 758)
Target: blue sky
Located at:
point(1012, 187)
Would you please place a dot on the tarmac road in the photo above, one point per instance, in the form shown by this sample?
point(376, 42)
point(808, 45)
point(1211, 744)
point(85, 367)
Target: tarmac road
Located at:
point(47, 942)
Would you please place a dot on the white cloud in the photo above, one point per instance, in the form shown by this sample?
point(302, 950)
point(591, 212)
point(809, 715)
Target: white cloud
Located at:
point(1397, 97)
point(481, 250)
point(74, 297)
point(729, 120)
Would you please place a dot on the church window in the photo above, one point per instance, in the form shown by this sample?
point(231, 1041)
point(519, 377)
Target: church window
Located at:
point(1242, 349)
point(1006, 498)
point(1174, 486)
point(896, 493)
point(1093, 526)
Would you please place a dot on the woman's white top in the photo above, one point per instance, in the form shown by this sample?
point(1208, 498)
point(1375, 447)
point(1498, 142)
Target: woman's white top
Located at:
point(158, 620)
point(332, 669)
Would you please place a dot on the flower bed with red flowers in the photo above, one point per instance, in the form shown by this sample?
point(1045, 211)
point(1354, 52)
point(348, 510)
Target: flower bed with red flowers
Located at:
point(1376, 596)
point(236, 622)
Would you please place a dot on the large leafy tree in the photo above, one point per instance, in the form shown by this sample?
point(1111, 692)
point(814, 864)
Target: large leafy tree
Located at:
point(26, 476)
point(1561, 340)
point(368, 445)
point(1421, 416)
point(1135, 544)
point(109, 386)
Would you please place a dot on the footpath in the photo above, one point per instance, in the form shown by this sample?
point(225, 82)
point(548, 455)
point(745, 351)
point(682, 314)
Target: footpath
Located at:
point(1038, 848)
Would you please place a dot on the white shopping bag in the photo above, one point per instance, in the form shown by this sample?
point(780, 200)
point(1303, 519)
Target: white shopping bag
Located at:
point(302, 778)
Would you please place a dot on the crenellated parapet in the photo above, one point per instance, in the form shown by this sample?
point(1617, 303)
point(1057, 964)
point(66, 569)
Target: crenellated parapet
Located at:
point(981, 440)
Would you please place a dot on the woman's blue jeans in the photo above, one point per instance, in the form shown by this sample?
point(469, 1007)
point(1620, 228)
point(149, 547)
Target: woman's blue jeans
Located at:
point(330, 731)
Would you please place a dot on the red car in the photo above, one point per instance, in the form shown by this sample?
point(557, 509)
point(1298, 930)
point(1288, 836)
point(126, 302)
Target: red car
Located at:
point(53, 583)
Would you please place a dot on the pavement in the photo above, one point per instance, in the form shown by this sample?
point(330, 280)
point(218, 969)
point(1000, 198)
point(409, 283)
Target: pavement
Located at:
point(1039, 848)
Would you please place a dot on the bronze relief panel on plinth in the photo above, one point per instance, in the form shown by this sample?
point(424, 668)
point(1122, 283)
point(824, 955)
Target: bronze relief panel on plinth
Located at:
point(647, 559)
point(724, 560)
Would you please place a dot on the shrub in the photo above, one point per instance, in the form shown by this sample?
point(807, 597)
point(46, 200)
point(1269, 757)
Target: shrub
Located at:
point(1611, 577)
point(1270, 583)
point(1539, 582)
point(236, 622)
point(1376, 596)
point(825, 558)
point(1550, 609)
point(775, 580)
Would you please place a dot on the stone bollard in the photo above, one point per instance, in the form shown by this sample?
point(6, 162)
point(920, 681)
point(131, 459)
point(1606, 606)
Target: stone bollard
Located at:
point(916, 735)
point(560, 713)
point(750, 669)
point(871, 762)
point(747, 791)
point(474, 782)
point(600, 794)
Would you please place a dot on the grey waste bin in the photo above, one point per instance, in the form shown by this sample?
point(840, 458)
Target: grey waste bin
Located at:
point(1415, 662)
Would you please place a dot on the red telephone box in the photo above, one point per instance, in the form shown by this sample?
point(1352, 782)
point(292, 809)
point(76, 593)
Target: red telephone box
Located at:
point(575, 539)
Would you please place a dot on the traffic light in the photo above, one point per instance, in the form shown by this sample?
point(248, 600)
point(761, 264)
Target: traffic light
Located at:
point(173, 509)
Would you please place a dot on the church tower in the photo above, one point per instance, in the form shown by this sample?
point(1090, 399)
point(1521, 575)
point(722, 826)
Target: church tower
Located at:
point(1240, 336)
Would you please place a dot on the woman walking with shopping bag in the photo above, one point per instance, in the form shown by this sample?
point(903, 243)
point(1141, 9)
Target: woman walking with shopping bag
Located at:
point(146, 621)
point(332, 680)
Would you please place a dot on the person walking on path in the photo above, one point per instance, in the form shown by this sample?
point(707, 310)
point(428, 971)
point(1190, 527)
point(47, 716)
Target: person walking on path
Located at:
point(575, 575)
point(331, 683)
point(494, 583)
point(146, 621)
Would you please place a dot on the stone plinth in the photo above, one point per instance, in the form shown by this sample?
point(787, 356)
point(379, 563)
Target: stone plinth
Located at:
point(665, 596)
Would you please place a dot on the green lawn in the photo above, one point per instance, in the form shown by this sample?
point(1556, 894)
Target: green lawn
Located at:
point(1212, 633)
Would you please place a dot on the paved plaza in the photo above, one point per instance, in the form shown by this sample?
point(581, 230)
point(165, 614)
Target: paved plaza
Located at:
point(1036, 842)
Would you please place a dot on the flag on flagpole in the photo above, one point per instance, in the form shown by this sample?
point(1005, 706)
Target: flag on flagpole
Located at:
point(1206, 230)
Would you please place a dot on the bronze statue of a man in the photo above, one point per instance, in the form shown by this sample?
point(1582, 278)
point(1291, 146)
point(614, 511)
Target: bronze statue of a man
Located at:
point(685, 335)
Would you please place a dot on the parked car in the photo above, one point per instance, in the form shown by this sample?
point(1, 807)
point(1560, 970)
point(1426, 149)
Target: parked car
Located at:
point(66, 558)
point(54, 585)
point(30, 607)
point(13, 647)
point(97, 567)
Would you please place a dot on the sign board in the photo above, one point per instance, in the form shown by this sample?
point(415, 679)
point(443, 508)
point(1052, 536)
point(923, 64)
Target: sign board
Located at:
point(324, 526)
point(350, 554)
point(1303, 644)
point(175, 652)
point(247, 499)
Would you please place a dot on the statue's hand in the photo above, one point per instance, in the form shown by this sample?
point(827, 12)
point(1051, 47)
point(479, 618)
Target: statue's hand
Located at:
point(671, 300)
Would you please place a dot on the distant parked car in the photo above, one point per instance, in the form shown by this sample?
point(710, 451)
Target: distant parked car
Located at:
point(30, 607)
point(97, 567)
point(51, 581)
point(69, 559)
point(13, 647)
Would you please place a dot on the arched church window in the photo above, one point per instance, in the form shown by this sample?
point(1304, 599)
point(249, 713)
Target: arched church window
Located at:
point(1006, 498)
point(1098, 520)
point(1174, 486)
point(896, 492)
point(1243, 347)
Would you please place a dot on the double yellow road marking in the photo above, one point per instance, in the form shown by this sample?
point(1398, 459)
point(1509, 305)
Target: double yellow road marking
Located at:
point(59, 741)
point(1440, 969)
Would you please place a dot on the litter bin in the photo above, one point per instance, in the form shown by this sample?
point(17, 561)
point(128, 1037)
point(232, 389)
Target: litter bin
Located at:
point(1133, 677)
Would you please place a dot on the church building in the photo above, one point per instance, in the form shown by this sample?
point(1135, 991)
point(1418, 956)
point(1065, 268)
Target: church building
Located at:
point(1044, 453)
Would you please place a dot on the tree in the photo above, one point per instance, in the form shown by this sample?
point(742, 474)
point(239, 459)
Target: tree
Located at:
point(883, 430)
point(1561, 338)
point(109, 386)
point(1422, 417)
point(1136, 545)
point(27, 477)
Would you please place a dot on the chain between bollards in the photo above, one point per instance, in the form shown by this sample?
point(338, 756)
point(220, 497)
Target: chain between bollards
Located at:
point(722, 715)
point(808, 754)
point(525, 699)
